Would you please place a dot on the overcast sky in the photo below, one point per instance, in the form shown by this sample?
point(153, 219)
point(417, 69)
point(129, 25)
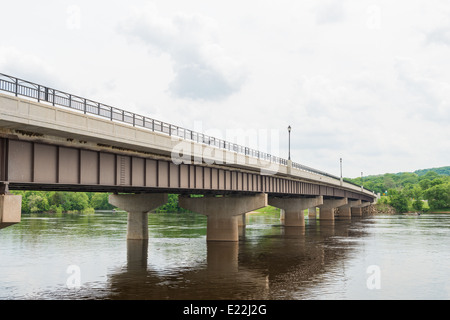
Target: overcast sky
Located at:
point(366, 81)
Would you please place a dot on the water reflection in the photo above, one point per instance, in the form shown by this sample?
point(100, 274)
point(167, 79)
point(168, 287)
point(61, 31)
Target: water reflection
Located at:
point(271, 265)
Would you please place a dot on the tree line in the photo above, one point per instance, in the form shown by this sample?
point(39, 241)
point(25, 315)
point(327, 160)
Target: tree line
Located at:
point(411, 191)
point(87, 202)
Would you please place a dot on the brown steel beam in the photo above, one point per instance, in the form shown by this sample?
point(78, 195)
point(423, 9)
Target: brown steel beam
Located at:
point(31, 164)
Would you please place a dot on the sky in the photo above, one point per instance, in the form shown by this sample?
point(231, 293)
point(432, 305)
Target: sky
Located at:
point(367, 82)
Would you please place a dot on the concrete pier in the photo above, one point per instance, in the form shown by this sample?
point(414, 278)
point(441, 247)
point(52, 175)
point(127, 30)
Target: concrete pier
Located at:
point(293, 208)
point(137, 206)
point(357, 210)
point(312, 213)
point(328, 206)
point(223, 212)
point(10, 210)
point(345, 211)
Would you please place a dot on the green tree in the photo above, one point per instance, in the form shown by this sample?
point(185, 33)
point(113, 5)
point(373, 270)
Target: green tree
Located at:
point(437, 181)
point(430, 175)
point(99, 201)
point(438, 196)
point(69, 201)
point(425, 184)
point(417, 205)
point(79, 201)
point(171, 205)
point(408, 178)
point(37, 202)
point(389, 182)
point(398, 200)
point(413, 191)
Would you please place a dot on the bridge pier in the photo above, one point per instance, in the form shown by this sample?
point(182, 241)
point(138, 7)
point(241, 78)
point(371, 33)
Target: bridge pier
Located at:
point(312, 213)
point(345, 211)
point(223, 213)
point(10, 207)
point(293, 209)
point(10, 210)
point(328, 206)
point(137, 206)
point(357, 210)
point(282, 214)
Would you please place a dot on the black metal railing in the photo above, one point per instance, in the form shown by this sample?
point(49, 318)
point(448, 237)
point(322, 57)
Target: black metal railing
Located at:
point(28, 89)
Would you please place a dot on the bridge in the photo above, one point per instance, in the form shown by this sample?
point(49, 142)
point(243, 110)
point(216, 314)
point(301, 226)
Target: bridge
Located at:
point(56, 141)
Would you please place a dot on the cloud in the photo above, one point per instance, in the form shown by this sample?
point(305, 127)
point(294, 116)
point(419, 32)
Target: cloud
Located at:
point(427, 97)
point(440, 36)
point(27, 66)
point(202, 69)
point(329, 12)
point(437, 30)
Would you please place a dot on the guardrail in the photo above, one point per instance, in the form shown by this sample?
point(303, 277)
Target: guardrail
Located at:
point(24, 88)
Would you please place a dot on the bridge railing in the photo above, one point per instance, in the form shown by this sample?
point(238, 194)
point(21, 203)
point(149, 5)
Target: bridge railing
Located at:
point(24, 88)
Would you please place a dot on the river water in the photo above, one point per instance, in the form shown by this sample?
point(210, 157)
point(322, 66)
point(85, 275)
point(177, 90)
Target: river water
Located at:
point(87, 256)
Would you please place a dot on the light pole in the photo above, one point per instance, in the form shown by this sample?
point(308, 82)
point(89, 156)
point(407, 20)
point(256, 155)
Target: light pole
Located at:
point(341, 171)
point(289, 130)
point(362, 188)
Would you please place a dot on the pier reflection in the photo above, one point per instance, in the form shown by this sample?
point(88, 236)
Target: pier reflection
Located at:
point(285, 260)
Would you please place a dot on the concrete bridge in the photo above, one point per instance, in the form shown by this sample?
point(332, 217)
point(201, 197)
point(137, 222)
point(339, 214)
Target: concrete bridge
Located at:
point(51, 140)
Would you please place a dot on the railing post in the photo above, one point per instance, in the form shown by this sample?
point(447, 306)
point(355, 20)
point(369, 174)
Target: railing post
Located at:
point(39, 93)
point(17, 87)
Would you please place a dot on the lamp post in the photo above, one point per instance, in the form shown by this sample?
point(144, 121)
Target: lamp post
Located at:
point(289, 130)
point(362, 188)
point(341, 171)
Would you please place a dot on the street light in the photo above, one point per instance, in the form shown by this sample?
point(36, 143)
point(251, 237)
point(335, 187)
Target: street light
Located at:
point(289, 130)
point(362, 188)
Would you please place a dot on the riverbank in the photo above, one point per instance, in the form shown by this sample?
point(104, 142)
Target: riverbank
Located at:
point(384, 208)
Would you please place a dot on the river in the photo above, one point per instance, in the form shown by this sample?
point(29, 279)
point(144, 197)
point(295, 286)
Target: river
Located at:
point(87, 256)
